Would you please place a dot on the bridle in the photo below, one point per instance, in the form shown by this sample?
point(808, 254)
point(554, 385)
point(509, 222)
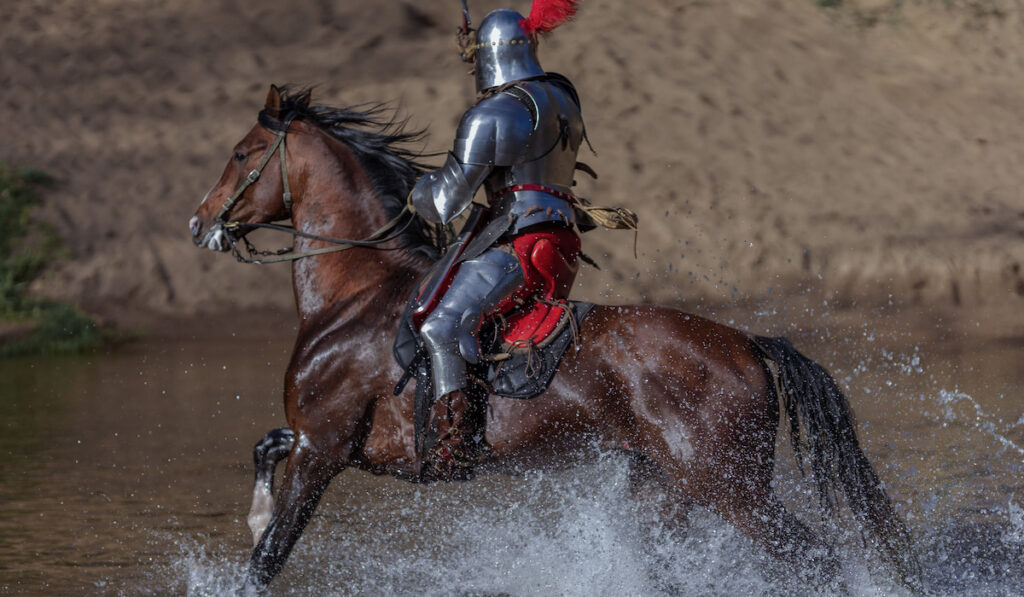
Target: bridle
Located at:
point(255, 256)
point(276, 145)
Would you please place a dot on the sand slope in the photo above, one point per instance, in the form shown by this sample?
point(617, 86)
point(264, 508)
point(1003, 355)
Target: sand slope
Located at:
point(771, 148)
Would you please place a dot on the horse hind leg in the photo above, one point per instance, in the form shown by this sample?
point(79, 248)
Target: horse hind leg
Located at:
point(730, 473)
point(796, 549)
point(662, 512)
point(736, 484)
point(657, 502)
point(269, 451)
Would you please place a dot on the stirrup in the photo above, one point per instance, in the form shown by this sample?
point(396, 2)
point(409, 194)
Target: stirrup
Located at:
point(448, 464)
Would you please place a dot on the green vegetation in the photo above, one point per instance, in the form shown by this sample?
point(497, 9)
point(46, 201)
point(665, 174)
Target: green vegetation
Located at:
point(30, 325)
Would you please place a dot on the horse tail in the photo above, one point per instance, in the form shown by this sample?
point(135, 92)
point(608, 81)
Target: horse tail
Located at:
point(812, 400)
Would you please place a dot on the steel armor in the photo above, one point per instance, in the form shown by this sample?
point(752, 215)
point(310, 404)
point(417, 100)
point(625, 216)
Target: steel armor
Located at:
point(504, 51)
point(525, 133)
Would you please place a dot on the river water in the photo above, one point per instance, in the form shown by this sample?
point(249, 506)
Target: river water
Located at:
point(128, 472)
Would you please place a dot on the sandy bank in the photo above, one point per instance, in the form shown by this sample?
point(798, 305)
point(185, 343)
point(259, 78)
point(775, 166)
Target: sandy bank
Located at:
point(862, 156)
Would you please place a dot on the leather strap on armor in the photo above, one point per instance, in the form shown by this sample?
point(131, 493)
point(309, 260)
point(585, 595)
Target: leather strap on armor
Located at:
point(534, 187)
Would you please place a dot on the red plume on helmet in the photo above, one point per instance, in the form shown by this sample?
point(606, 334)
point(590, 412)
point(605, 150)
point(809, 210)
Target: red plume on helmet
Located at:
point(545, 15)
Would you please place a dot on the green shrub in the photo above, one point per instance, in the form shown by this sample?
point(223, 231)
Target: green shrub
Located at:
point(26, 248)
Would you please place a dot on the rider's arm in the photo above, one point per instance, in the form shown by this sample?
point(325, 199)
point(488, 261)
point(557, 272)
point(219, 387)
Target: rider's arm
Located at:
point(440, 196)
point(493, 133)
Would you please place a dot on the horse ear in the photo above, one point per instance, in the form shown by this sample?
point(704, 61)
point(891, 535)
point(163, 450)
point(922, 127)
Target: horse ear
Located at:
point(303, 98)
point(273, 104)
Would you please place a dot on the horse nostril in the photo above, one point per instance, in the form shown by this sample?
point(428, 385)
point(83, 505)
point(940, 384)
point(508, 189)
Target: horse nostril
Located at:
point(194, 225)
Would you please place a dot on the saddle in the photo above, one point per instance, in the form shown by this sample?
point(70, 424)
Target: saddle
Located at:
point(521, 345)
point(524, 341)
point(520, 369)
point(520, 366)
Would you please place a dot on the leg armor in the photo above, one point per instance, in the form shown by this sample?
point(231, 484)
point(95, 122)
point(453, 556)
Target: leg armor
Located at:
point(449, 332)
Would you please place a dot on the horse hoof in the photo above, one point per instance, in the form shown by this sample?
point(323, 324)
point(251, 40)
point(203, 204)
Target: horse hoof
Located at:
point(252, 589)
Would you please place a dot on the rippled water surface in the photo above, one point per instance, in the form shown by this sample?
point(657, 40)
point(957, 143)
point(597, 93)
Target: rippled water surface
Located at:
point(129, 473)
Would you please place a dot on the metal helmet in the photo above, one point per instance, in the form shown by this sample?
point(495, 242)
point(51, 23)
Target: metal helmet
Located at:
point(504, 51)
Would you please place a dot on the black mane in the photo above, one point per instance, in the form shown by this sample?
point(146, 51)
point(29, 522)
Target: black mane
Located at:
point(376, 138)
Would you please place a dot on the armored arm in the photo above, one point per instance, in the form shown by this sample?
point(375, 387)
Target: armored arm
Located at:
point(440, 196)
point(491, 134)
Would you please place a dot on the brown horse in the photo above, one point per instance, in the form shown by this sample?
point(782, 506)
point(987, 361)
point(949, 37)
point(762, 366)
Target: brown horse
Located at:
point(695, 404)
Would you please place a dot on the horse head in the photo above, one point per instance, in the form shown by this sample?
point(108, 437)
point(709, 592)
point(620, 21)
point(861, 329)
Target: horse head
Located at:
point(348, 169)
point(253, 186)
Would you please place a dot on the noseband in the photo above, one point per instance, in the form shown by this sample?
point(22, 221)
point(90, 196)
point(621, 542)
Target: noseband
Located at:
point(280, 130)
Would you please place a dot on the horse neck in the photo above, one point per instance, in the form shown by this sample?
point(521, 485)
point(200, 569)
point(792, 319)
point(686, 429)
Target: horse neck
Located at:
point(335, 197)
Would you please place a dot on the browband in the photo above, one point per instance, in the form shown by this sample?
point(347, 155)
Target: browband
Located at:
point(274, 124)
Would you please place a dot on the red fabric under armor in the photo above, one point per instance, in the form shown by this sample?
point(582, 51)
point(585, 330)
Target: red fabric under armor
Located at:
point(549, 257)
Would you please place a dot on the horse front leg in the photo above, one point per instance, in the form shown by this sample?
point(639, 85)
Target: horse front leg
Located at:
point(270, 450)
point(308, 472)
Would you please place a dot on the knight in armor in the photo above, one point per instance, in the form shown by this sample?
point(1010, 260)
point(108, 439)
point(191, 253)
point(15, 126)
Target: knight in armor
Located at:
point(519, 142)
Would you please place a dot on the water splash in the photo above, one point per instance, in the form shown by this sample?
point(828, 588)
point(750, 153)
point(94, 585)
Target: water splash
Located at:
point(204, 574)
point(977, 418)
point(577, 532)
point(961, 463)
point(571, 532)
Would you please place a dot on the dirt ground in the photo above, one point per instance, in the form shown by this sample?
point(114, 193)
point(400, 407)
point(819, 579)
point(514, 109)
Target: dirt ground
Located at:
point(778, 152)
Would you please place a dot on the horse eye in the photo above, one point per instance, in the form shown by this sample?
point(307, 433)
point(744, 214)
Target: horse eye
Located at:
point(239, 156)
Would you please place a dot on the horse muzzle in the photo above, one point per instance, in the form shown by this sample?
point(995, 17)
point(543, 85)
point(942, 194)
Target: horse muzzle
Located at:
point(215, 238)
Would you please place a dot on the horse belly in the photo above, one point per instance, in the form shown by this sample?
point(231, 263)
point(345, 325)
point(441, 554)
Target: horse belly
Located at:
point(554, 428)
point(390, 443)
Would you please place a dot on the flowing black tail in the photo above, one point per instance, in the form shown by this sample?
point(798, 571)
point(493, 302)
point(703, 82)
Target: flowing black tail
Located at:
point(829, 445)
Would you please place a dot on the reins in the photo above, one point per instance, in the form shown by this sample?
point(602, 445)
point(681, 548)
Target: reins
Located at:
point(280, 130)
point(344, 244)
